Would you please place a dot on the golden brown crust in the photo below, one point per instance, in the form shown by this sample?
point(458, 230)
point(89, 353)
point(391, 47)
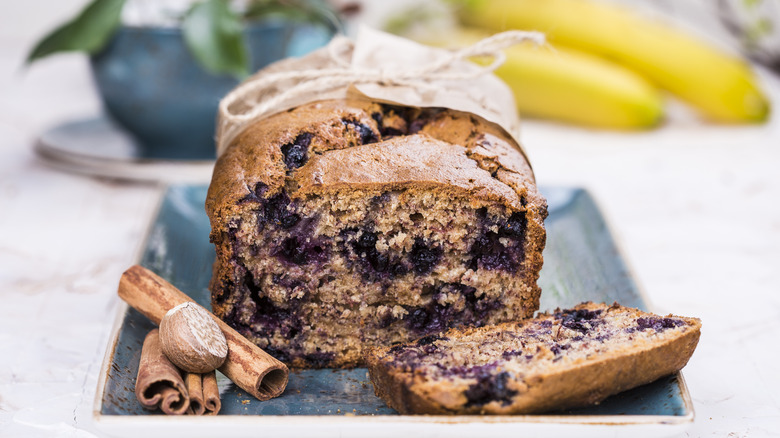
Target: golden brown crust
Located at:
point(414, 162)
point(581, 384)
point(255, 156)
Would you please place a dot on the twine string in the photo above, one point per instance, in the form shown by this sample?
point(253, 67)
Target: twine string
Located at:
point(263, 94)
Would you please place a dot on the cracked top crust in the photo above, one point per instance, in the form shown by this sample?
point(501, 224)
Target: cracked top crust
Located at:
point(364, 144)
point(416, 160)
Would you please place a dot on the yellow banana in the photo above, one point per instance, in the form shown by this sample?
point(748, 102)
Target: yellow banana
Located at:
point(579, 88)
point(720, 86)
point(567, 85)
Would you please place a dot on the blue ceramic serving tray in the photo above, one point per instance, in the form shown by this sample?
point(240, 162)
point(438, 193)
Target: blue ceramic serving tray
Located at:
point(581, 263)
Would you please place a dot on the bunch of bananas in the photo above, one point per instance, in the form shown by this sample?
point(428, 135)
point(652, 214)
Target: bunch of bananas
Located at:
point(605, 65)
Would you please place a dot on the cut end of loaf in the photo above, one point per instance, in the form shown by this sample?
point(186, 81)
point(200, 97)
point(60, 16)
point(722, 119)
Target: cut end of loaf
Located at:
point(353, 269)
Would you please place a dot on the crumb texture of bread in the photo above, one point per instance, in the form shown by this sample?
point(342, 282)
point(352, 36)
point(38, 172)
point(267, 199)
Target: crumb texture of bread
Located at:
point(343, 225)
point(564, 359)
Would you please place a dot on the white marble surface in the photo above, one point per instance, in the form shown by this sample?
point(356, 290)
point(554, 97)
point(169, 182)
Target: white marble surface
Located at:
point(696, 207)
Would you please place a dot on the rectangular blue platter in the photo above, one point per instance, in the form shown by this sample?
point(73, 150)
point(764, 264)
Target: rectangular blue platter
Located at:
point(581, 263)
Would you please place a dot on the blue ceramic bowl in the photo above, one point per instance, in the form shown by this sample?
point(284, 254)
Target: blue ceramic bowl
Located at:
point(152, 86)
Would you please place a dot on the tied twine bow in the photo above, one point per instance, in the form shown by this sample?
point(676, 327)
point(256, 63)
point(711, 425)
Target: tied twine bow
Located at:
point(263, 95)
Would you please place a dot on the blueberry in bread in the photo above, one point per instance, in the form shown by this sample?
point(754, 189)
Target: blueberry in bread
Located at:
point(345, 224)
point(558, 360)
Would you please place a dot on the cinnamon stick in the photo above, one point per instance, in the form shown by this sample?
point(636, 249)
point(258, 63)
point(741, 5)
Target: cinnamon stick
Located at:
point(204, 393)
point(159, 383)
point(194, 383)
point(249, 367)
point(211, 399)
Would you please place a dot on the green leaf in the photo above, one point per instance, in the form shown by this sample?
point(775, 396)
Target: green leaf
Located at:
point(88, 32)
point(213, 33)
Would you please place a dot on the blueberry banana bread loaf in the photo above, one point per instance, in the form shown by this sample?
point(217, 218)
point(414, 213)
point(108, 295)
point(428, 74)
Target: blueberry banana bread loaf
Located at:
point(345, 224)
point(564, 359)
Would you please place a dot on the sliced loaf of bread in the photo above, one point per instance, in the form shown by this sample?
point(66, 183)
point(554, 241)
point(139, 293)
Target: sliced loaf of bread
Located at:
point(341, 225)
point(563, 359)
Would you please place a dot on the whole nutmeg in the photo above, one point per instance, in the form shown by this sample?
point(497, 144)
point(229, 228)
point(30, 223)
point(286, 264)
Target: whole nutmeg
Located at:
point(191, 339)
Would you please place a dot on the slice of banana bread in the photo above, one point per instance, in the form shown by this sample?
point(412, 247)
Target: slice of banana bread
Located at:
point(345, 224)
point(565, 359)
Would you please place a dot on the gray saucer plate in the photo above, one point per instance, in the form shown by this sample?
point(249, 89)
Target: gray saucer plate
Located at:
point(97, 147)
point(581, 262)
